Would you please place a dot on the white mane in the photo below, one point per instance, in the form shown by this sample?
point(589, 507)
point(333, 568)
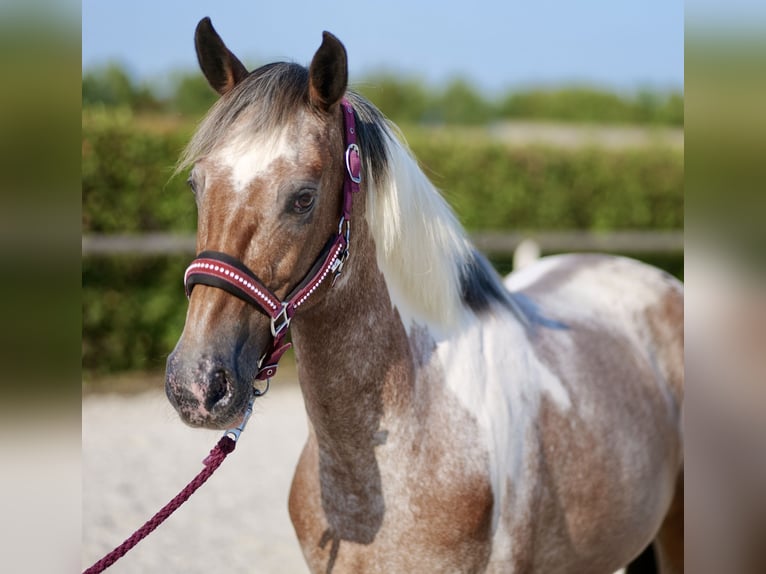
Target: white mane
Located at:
point(420, 245)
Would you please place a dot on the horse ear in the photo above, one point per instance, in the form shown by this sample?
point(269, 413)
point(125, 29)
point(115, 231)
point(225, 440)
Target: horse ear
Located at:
point(328, 73)
point(222, 69)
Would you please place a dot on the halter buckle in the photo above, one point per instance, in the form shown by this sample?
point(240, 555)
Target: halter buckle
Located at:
point(337, 266)
point(282, 316)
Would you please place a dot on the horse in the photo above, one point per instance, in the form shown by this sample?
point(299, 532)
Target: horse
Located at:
point(458, 422)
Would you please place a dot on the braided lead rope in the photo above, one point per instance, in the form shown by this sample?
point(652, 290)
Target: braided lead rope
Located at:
point(212, 462)
point(220, 451)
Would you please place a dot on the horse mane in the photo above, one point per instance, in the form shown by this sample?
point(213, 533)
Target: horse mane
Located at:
point(433, 272)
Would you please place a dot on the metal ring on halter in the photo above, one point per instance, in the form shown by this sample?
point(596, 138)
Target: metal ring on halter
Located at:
point(259, 392)
point(345, 221)
point(353, 148)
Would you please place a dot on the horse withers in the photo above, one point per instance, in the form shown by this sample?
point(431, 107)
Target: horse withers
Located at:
point(456, 423)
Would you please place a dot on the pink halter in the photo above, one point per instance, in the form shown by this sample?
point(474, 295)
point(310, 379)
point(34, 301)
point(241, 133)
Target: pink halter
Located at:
point(225, 272)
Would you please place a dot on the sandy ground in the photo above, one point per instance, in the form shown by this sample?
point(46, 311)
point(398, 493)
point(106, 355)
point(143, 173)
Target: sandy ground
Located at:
point(137, 455)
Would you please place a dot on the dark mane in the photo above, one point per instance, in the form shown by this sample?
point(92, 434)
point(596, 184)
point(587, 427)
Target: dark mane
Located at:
point(482, 287)
point(373, 129)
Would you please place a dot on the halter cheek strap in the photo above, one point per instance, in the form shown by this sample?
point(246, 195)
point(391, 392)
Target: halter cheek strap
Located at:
point(223, 271)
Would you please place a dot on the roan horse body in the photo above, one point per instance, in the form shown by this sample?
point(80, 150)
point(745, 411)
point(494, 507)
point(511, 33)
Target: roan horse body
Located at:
point(455, 424)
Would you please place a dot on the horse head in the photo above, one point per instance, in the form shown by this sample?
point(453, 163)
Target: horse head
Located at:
point(268, 178)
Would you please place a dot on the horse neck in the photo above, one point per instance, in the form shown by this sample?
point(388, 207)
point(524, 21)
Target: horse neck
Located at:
point(354, 358)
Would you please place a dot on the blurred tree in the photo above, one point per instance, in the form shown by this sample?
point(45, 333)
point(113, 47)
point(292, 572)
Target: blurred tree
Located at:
point(192, 95)
point(568, 104)
point(112, 86)
point(672, 112)
point(402, 99)
point(407, 100)
point(460, 103)
point(647, 105)
point(585, 104)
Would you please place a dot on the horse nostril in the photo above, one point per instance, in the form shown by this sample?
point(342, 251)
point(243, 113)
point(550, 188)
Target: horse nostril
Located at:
point(217, 389)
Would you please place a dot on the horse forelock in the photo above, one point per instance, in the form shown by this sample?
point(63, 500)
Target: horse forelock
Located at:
point(262, 103)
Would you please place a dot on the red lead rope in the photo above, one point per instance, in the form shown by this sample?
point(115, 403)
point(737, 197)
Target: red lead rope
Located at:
point(212, 462)
point(226, 445)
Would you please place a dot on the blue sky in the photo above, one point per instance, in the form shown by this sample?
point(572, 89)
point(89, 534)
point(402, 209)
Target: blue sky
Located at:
point(618, 44)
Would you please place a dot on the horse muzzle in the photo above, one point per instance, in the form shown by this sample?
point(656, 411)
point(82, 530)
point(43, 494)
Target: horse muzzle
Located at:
point(206, 391)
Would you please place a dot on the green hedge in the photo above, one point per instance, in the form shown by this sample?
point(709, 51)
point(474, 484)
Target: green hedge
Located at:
point(494, 186)
point(127, 185)
point(406, 98)
point(134, 308)
point(133, 312)
point(126, 176)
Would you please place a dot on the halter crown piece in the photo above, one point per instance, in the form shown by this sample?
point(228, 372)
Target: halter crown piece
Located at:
point(223, 271)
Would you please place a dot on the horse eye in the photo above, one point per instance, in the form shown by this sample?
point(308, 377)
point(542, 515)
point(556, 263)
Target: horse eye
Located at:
point(192, 185)
point(303, 202)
